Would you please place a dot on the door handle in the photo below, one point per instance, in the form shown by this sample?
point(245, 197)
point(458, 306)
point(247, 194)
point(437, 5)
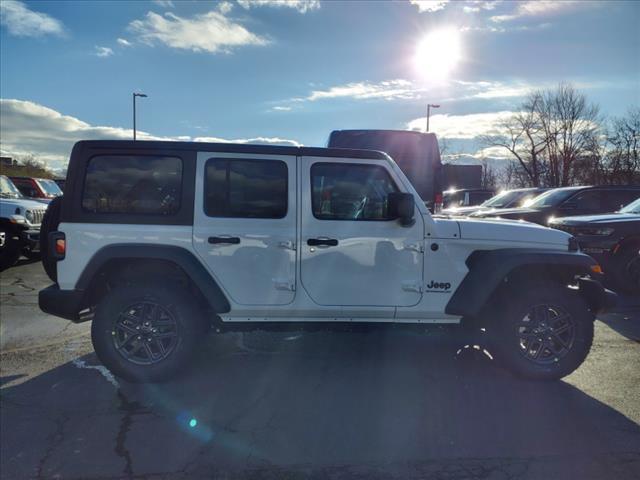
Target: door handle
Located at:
point(322, 242)
point(229, 240)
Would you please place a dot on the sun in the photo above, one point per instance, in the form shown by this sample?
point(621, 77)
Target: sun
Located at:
point(438, 53)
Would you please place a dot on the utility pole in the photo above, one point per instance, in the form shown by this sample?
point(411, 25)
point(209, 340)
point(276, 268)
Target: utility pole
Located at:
point(429, 107)
point(142, 95)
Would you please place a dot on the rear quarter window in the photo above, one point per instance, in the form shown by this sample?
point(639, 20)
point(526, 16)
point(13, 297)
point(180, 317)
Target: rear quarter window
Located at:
point(140, 184)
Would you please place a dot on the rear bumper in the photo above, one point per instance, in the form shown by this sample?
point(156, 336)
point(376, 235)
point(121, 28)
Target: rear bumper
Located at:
point(61, 303)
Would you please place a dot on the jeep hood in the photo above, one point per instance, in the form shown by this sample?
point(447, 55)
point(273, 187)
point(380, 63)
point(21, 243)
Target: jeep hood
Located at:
point(22, 203)
point(507, 212)
point(501, 230)
point(595, 219)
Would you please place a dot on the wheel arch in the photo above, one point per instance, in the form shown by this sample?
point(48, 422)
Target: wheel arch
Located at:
point(122, 263)
point(491, 272)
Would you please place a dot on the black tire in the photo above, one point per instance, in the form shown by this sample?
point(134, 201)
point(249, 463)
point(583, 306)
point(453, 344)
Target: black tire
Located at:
point(113, 328)
point(627, 269)
point(9, 252)
point(538, 345)
point(50, 223)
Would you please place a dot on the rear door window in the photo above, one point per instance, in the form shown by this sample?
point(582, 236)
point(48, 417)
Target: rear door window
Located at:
point(123, 184)
point(246, 188)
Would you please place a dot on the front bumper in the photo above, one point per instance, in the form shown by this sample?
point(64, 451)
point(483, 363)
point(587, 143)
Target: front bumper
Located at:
point(30, 239)
point(61, 303)
point(599, 298)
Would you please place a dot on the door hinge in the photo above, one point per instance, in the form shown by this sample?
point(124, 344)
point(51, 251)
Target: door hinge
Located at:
point(416, 247)
point(287, 244)
point(413, 287)
point(284, 285)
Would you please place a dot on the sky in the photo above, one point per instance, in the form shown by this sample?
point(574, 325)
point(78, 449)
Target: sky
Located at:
point(290, 72)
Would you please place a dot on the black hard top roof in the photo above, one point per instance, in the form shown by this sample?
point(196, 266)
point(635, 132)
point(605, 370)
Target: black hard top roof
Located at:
point(232, 148)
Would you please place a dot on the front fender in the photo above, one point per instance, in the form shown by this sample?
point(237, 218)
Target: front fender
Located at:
point(488, 269)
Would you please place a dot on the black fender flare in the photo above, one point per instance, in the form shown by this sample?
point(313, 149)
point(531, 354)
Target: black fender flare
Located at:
point(182, 257)
point(489, 268)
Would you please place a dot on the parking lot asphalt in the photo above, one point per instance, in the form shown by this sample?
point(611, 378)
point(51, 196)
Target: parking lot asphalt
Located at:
point(385, 404)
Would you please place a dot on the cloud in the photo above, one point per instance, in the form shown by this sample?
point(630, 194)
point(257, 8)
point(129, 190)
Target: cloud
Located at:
point(280, 108)
point(253, 141)
point(225, 7)
point(210, 32)
point(164, 3)
point(469, 126)
point(28, 128)
point(536, 8)
point(475, 6)
point(20, 21)
point(302, 6)
point(429, 5)
point(103, 51)
point(491, 90)
point(124, 42)
point(401, 89)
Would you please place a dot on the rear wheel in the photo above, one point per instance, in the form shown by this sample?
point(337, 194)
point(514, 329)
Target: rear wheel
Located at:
point(545, 334)
point(145, 333)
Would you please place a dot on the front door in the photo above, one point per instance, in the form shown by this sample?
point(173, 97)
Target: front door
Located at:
point(245, 225)
point(352, 253)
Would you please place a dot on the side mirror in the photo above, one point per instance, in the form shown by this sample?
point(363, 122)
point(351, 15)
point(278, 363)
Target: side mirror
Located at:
point(401, 206)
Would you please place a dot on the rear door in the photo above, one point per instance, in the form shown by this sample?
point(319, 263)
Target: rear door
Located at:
point(245, 224)
point(352, 253)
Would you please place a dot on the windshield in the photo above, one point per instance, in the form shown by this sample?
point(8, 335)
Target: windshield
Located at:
point(551, 198)
point(633, 207)
point(8, 189)
point(503, 199)
point(50, 187)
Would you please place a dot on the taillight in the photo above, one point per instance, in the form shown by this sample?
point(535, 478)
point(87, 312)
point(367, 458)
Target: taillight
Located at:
point(57, 245)
point(61, 246)
point(437, 203)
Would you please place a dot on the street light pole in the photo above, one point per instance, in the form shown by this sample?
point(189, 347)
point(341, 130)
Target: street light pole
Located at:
point(134, 95)
point(429, 107)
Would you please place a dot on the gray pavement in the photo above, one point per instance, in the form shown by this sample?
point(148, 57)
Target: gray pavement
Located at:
point(378, 405)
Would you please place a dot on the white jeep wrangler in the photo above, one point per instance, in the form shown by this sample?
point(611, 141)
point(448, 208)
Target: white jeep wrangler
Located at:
point(158, 241)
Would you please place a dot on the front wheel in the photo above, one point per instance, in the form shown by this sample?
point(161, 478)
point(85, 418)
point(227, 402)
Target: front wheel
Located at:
point(145, 333)
point(544, 334)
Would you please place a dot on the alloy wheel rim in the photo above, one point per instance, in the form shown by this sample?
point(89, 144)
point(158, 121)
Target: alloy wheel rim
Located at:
point(546, 334)
point(145, 333)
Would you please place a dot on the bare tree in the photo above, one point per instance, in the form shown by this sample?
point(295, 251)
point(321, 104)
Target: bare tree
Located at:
point(569, 124)
point(552, 137)
point(489, 176)
point(623, 156)
point(522, 139)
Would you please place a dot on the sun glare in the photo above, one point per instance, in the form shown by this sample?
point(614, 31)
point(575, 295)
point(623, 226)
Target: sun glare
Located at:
point(438, 53)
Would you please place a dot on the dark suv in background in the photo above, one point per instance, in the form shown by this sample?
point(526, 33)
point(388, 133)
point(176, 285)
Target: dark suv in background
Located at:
point(570, 201)
point(506, 199)
point(613, 239)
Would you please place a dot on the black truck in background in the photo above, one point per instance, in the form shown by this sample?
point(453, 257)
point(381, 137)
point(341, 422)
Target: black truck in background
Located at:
point(418, 156)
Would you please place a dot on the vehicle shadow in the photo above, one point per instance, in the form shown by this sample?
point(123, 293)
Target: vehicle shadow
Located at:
point(316, 405)
point(625, 318)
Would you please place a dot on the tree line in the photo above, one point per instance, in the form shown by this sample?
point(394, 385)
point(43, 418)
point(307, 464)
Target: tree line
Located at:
point(559, 138)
